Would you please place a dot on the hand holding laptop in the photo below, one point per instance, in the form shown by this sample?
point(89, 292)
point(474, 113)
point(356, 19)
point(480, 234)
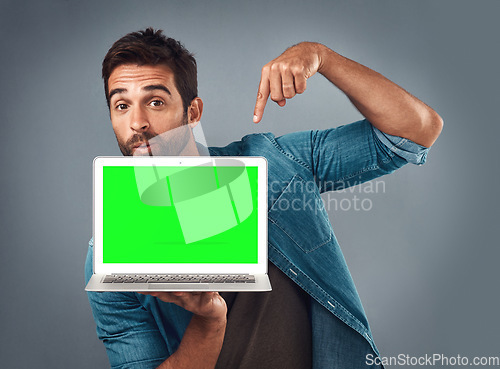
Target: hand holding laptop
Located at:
point(209, 305)
point(202, 341)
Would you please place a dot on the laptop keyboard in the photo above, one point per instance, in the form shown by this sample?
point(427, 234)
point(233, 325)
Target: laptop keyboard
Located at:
point(179, 278)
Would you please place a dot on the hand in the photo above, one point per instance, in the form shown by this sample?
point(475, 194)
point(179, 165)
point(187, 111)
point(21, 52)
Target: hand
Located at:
point(207, 305)
point(286, 76)
point(202, 341)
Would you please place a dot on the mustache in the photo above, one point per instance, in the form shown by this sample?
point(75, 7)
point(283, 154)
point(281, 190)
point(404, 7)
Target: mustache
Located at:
point(143, 137)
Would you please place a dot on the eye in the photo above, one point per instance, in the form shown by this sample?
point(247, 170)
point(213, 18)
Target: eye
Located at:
point(156, 103)
point(121, 106)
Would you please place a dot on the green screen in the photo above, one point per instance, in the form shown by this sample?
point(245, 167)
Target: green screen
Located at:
point(164, 214)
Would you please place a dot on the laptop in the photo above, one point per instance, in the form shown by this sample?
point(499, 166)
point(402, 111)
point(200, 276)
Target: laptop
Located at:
point(170, 223)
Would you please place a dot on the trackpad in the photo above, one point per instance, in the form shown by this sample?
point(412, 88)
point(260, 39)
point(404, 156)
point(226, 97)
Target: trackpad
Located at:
point(178, 286)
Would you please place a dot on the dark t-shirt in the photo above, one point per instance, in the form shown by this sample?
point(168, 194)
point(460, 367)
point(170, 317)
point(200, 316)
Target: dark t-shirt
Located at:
point(267, 329)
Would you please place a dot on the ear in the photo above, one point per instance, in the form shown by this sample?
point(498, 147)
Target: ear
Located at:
point(194, 112)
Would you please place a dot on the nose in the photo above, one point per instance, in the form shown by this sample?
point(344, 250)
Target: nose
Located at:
point(139, 120)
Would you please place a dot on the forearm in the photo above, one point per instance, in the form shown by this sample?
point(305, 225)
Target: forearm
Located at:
point(200, 347)
point(386, 105)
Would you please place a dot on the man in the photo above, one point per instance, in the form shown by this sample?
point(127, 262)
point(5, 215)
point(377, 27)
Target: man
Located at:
point(313, 317)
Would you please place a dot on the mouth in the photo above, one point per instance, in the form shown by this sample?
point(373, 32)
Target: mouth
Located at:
point(141, 148)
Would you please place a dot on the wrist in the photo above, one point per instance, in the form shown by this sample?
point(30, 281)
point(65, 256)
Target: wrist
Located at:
point(326, 58)
point(209, 325)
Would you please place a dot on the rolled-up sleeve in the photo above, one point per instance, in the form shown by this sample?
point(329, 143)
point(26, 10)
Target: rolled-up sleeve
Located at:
point(351, 154)
point(403, 147)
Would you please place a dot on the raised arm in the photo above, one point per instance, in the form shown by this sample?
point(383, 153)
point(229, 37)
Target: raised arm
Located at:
point(386, 105)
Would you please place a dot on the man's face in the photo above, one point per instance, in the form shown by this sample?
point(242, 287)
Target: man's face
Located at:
point(145, 103)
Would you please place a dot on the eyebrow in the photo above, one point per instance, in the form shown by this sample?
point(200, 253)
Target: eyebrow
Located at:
point(157, 87)
point(145, 88)
point(116, 91)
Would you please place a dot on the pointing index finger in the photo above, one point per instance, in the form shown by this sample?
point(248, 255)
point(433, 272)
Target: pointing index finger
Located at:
point(262, 96)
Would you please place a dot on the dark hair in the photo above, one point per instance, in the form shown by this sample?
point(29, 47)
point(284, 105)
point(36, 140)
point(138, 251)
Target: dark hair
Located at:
point(150, 47)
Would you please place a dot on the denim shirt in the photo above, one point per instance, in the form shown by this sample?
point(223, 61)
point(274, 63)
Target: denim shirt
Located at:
point(141, 331)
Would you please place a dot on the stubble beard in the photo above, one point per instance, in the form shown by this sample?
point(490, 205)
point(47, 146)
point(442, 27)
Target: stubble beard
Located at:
point(169, 143)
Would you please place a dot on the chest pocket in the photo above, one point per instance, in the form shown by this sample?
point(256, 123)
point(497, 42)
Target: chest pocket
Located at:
point(300, 214)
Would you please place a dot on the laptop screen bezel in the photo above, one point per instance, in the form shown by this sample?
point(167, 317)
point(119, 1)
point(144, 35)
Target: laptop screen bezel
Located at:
point(180, 268)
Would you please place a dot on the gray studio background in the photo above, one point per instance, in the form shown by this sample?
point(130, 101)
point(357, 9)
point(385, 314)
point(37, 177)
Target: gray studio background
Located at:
point(424, 257)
